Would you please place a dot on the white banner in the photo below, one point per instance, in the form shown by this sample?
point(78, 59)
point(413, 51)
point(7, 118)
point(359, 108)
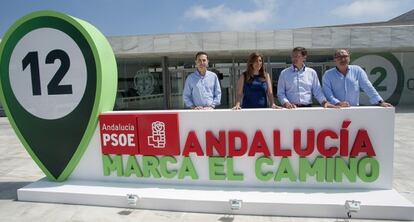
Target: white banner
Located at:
point(311, 147)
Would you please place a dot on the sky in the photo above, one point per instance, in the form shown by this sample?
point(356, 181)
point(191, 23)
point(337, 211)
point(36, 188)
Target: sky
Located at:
point(139, 17)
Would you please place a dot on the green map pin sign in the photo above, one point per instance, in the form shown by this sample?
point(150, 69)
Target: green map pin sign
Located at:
point(57, 73)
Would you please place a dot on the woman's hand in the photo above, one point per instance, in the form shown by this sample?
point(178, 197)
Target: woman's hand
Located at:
point(274, 106)
point(236, 107)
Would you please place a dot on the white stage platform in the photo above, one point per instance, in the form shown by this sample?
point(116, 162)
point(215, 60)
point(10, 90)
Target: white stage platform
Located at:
point(375, 204)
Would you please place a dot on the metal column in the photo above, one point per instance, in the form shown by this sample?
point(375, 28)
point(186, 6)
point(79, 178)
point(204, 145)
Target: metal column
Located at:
point(166, 82)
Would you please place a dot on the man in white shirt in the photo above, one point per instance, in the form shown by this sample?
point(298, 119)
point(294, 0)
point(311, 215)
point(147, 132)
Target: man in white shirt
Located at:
point(202, 87)
point(298, 83)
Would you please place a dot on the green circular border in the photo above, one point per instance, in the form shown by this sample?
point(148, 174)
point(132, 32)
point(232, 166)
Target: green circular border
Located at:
point(29, 26)
point(396, 95)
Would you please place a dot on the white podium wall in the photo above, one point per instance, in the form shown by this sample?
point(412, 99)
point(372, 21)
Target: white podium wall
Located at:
point(378, 122)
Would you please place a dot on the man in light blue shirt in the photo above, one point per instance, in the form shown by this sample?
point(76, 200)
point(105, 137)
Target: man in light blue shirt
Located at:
point(341, 84)
point(298, 83)
point(202, 87)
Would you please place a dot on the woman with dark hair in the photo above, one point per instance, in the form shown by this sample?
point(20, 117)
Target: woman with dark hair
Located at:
point(254, 85)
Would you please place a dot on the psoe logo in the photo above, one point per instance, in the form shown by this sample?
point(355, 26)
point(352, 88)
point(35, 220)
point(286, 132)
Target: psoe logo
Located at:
point(140, 134)
point(157, 139)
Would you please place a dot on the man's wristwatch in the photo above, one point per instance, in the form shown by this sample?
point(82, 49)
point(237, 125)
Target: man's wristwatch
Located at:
point(380, 102)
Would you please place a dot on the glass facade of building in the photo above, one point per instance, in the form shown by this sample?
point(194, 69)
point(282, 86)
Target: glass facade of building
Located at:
point(144, 85)
point(147, 85)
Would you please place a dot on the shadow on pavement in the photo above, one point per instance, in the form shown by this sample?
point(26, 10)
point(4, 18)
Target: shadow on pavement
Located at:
point(8, 190)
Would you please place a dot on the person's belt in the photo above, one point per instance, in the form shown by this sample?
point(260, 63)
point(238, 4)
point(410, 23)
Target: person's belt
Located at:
point(303, 105)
